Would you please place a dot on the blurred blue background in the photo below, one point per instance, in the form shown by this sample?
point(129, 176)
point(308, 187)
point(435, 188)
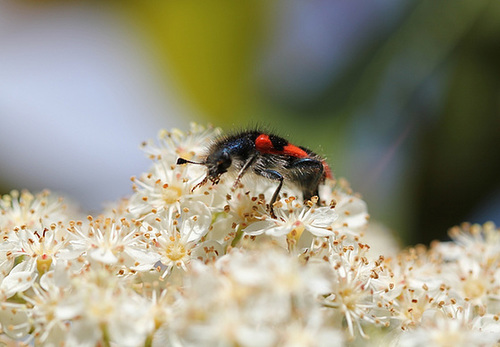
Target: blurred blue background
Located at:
point(402, 97)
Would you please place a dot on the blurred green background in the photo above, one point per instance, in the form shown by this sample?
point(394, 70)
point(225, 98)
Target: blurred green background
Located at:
point(402, 97)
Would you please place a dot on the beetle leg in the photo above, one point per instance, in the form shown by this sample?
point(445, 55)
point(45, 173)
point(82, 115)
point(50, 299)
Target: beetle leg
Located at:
point(205, 180)
point(244, 169)
point(275, 176)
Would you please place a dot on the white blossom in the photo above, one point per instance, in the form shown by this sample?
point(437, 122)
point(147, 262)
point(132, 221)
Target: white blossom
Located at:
point(179, 264)
point(174, 238)
point(459, 328)
point(23, 209)
point(293, 219)
point(34, 251)
point(108, 242)
point(176, 143)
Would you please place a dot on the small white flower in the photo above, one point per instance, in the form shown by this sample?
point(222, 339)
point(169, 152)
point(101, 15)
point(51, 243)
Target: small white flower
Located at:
point(352, 213)
point(352, 210)
point(293, 219)
point(177, 144)
point(415, 285)
point(472, 264)
point(313, 334)
point(34, 251)
point(111, 243)
point(356, 291)
point(458, 328)
point(240, 210)
point(104, 310)
point(478, 242)
point(174, 238)
point(49, 327)
point(164, 191)
point(19, 209)
point(248, 298)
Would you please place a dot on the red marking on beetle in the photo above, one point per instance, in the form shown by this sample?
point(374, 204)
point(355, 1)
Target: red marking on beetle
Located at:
point(294, 151)
point(264, 145)
point(327, 170)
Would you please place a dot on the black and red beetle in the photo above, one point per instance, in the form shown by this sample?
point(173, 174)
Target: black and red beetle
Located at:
point(267, 155)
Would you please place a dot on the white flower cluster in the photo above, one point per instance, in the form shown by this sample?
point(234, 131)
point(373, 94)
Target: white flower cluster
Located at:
point(177, 266)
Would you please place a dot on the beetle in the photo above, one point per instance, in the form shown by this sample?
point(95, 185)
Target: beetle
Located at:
point(267, 155)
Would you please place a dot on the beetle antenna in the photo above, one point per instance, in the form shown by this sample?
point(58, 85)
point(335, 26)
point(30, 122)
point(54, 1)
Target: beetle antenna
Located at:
point(185, 161)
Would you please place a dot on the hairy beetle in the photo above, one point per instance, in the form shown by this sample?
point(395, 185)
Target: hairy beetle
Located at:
point(267, 155)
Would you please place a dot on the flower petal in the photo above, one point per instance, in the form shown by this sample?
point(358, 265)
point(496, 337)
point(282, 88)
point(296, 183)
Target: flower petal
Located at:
point(17, 281)
point(104, 256)
point(259, 227)
point(318, 231)
point(14, 323)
